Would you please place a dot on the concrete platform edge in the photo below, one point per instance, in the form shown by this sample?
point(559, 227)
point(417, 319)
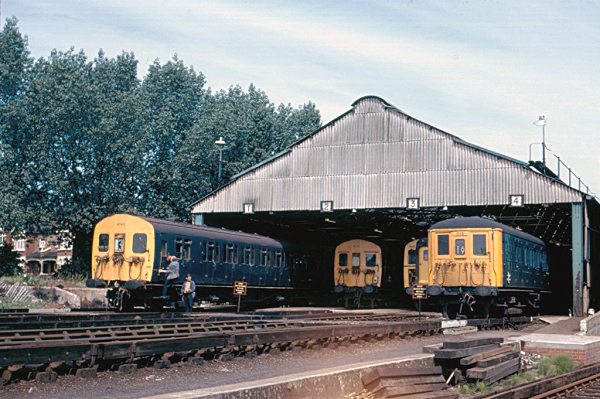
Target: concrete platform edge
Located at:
point(326, 383)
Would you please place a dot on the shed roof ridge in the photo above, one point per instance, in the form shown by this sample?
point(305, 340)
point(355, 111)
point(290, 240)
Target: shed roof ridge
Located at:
point(387, 106)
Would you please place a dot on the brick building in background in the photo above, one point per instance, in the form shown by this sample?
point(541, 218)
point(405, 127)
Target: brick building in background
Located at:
point(40, 254)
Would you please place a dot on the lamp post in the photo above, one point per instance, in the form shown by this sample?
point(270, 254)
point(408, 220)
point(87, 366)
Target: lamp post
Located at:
point(220, 145)
point(542, 122)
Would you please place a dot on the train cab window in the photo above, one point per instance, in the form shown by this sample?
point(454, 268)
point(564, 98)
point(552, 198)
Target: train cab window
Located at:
point(102, 243)
point(248, 256)
point(209, 254)
point(178, 247)
point(412, 257)
point(187, 249)
point(119, 242)
point(443, 244)
point(371, 259)
point(426, 255)
point(343, 259)
point(355, 259)
point(479, 244)
point(459, 247)
point(278, 258)
point(139, 243)
point(163, 248)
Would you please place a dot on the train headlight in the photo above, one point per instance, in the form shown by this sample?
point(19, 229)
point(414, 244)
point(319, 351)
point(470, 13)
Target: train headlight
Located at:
point(116, 284)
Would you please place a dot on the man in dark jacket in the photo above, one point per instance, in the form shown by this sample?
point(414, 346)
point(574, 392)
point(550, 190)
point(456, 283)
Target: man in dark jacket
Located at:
point(188, 293)
point(172, 275)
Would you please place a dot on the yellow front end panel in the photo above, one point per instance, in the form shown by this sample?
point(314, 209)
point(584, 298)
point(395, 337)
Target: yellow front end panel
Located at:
point(465, 257)
point(351, 267)
point(113, 255)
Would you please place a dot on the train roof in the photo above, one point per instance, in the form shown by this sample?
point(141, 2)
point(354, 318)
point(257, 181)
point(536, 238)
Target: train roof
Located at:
point(479, 222)
point(187, 229)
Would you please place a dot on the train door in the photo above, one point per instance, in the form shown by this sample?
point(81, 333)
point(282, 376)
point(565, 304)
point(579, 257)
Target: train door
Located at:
point(423, 265)
point(164, 252)
point(230, 261)
point(220, 268)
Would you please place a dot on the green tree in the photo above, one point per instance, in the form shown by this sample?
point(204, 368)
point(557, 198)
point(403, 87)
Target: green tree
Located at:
point(15, 66)
point(15, 61)
point(254, 130)
point(171, 100)
point(9, 260)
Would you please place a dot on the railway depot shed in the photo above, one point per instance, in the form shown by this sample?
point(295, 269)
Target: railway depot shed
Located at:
point(376, 173)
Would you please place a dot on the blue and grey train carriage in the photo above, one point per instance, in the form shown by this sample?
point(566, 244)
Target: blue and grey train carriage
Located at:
point(129, 250)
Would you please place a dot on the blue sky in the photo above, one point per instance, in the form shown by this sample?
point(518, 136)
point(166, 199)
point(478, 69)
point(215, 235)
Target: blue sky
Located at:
point(482, 70)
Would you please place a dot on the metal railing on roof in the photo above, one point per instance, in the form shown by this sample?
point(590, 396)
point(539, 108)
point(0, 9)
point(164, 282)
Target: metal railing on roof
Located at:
point(572, 179)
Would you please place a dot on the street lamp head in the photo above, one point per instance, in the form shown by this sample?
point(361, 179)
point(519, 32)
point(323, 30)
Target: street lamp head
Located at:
point(220, 143)
point(541, 121)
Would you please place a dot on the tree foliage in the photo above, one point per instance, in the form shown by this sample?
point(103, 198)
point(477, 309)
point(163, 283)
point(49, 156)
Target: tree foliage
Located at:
point(84, 138)
point(9, 260)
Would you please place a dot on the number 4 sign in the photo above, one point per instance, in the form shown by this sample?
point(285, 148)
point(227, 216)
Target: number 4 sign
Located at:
point(516, 200)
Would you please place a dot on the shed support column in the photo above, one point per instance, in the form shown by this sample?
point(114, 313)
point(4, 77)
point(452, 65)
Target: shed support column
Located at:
point(198, 218)
point(577, 227)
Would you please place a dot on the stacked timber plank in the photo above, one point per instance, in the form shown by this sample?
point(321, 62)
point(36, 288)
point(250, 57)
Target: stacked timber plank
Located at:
point(478, 359)
point(408, 383)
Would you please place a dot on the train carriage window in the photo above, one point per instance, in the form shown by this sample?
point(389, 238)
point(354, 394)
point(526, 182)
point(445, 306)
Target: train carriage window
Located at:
point(209, 255)
point(139, 243)
point(264, 257)
point(426, 255)
point(218, 256)
point(248, 256)
point(443, 243)
point(178, 247)
point(371, 259)
point(479, 244)
point(459, 247)
point(187, 249)
point(103, 243)
point(119, 242)
point(355, 259)
point(230, 253)
point(163, 248)
point(343, 259)
point(278, 258)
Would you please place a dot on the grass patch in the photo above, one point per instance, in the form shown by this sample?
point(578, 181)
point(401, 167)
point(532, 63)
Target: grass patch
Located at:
point(555, 365)
point(7, 305)
point(75, 280)
point(547, 367)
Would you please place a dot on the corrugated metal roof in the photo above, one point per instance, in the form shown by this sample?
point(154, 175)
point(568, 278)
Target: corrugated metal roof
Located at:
point(376, 156)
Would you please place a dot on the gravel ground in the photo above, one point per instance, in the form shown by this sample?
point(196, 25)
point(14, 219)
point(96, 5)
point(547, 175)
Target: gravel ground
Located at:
point(183, 376)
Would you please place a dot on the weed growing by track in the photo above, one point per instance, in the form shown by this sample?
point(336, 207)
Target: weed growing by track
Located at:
point(547, 367)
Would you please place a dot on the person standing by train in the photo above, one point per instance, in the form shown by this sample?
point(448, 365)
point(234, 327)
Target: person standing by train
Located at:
point(188, 293)
point(172, 271)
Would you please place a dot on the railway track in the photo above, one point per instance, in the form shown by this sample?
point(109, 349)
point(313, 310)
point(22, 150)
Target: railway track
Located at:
point(583, 383)
point(42, 345)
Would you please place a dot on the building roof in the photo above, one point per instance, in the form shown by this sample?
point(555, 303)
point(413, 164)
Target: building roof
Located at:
point(376, 156)
point(479, 222)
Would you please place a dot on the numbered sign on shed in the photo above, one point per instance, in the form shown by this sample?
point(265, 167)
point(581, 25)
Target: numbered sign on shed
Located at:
point(419, 291)
point(240, 288)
